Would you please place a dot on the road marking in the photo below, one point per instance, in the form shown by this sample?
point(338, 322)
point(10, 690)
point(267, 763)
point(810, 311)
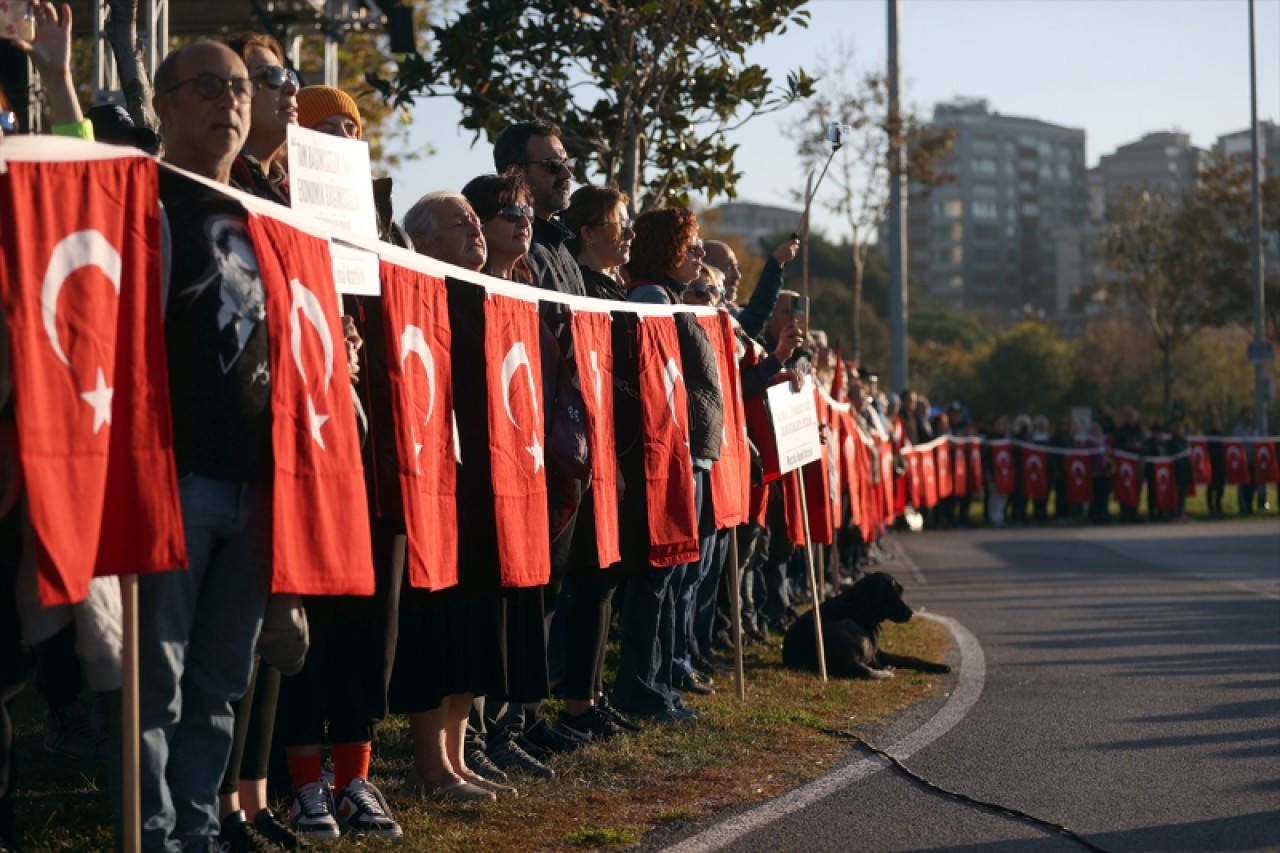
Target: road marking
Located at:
point(901, 554)
point(973, 672)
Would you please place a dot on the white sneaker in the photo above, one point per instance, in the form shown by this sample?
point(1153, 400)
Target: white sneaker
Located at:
point(311, 812)
point(362, 810)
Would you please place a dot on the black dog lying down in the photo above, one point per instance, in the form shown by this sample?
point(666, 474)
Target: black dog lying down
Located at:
point(851, 632)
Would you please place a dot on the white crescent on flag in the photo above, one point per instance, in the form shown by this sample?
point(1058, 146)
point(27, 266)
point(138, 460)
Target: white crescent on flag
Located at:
point(1034, 466)
point(306, 302)
point(669, 377)
point(516, 357)
point(413, 340)
point(74, 252)
point(1077, 472)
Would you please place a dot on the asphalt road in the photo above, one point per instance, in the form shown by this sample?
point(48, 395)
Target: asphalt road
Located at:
point(1123, 682)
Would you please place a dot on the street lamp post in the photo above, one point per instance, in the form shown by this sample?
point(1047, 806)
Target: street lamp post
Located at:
point(1255, 245)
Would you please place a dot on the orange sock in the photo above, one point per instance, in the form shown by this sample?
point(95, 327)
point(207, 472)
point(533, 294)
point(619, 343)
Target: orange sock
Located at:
point(304, 769)
point(350, 761)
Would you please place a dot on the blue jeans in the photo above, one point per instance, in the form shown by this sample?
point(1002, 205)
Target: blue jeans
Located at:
point(196, 634)
point(647, 623)
point(695, 576)
point(704, 614)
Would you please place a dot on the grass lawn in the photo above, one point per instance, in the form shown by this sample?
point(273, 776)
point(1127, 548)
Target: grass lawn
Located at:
point(606, 795)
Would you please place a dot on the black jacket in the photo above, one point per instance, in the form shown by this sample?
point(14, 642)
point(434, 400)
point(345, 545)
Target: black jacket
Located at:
point(702, 380)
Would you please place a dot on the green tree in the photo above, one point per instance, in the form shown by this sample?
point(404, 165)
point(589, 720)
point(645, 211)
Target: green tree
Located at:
point(1026, 369)
point(857, 188)
point(645, 92)
point(1184, 262)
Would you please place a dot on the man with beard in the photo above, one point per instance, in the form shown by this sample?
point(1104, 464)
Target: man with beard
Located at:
point(534, 148)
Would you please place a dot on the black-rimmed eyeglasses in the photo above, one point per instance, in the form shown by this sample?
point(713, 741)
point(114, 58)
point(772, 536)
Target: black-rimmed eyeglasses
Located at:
point(211, 86)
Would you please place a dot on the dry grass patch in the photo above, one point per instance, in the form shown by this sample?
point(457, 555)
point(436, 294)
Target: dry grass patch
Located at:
point(607, 795)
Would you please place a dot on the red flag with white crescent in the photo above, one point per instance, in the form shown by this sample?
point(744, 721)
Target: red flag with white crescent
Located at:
point(664, 415)
point(1165, 484)
point(884, 488)
point(942, 461)
point(593, 343)
point(975, 468)
point(1128, 478)
point(928, 477)
point(1002, 466)
point(81, 278)
point(513, 371)
point(1264, 463)
point(419, 366)
point(791, 507)
point(1201, 470)
point(852, 465)
point(731, 473)
point(320, 512)
point(1035, 473)
point(960, 469)
point(1079, 478)
point(1237, 462)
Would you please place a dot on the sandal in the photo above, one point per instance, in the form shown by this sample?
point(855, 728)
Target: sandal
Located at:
point(487, 785)
point(458, 791)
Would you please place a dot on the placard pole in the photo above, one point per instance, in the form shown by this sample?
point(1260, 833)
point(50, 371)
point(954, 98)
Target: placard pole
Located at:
point(735, 605)
point(813, 578)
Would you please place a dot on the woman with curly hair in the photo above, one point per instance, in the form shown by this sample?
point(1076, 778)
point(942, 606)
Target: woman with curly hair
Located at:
point(657, 610)
point(666, 255)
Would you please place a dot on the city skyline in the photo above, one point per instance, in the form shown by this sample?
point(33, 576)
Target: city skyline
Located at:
point(1117, 69)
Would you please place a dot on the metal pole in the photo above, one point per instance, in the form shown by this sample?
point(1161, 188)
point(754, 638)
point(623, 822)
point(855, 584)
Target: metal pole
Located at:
point(1255, 244)
point(898, 369)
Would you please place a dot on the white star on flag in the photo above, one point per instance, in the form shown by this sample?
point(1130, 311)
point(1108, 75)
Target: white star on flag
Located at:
point(316, 421)
point(535, 450)
point(99, 399)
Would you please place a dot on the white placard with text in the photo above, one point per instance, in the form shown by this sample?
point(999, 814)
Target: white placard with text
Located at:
point(794, 415)
point(330, 179)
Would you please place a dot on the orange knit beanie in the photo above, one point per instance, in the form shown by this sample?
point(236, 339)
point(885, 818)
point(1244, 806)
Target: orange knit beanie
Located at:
point(317, 103)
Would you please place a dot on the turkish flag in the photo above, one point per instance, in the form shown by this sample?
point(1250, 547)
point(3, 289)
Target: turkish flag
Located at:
point(1079, 478)
point(1201, 470)
point(884, 487)
point(942, 460)
point(960, 470)
point(1166, 486)
point(80, 279)
point(668, 468)
point(791, 507)
point(1237, 461)
point(415, 313)
point(759, 426)
point(593, 343)
point(835, 469)
point(928, 477)
point(513, 373)
point(1264, 463)
point(975, 468)
point(1035, 473)
point(731, 473)
point(1002, 463)
point(1128, 478)
point(320, 513)
point(853, 468)
point(915, 470)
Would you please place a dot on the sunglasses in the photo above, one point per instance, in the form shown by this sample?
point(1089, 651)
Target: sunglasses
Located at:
point(211, 86)
point(697, 249)
point(274, 76)
point(555, 164)
point(513, 213)
point(623, 227)
point(706, 290)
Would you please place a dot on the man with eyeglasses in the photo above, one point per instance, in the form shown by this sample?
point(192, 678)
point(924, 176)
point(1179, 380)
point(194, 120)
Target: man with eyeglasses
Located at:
point(198, 626)
point(534, 148)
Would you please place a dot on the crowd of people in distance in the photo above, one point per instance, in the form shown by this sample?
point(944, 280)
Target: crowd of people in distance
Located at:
point(236, 720)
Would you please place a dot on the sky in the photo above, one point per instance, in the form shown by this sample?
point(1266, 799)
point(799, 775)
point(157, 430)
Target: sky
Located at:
point(1118, 69)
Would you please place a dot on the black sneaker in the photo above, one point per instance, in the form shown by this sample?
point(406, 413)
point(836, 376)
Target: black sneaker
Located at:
point(619, 719)
point(479, 764)
point(509, 755)
point(237, 835)
point(553, 738)
point(277, 831)
point(709, 667)
point(691, 682)
point(591, 724)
